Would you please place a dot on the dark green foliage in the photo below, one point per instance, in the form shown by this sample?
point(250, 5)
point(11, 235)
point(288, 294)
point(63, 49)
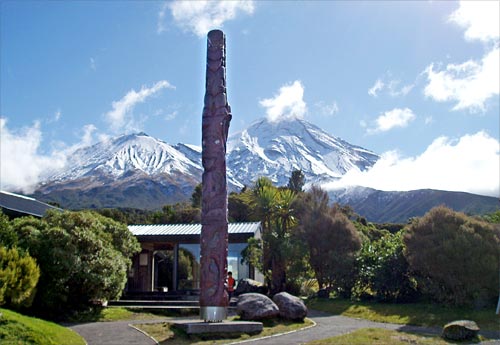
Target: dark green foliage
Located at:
point(83, 258)
point(196, 196)
point(127, 215)
point(19, 275)
point(180, 213)
point(8, 237)
point(369, 231)
point(296, 181)
point(240, 207)
point(253, 253)
point(383, 270)
point(454, 257)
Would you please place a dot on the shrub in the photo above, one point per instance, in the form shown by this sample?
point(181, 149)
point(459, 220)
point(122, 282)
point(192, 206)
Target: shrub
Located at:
point(454, 257)
point(83, 257)
point(8, 237)
point(383, 270)
point(19, 275)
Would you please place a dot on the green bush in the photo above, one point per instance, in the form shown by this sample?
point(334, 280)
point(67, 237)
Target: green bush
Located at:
point(454, 257)
point(19, 275)
point(83, 257)
point(8, 237)
point(384, 272)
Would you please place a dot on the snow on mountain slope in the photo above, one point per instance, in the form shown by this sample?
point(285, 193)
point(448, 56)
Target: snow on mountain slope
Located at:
point(138, 153)
point(274, 150)
point(136, 167)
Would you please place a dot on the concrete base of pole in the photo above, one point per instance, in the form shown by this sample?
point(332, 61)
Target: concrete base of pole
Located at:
point(193, 327)
point(213, 314)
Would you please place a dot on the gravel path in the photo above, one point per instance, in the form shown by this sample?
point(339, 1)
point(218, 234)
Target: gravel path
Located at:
point(123, 332)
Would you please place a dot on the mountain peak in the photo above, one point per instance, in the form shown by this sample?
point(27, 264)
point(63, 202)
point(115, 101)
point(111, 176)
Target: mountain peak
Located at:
point(275, 149)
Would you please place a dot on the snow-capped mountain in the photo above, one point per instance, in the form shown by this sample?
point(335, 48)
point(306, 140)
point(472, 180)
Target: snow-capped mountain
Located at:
point(274, 150)
point(138, 153)
point(142, 166)
point(142, 172)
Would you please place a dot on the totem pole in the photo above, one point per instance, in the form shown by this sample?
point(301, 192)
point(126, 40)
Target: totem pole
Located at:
point(214, 237)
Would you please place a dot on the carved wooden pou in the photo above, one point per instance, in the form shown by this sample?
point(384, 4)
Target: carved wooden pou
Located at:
point(214, 236)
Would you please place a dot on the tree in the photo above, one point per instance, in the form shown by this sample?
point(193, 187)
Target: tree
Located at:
point(296, 181)
point(83, 257)
point(273, 206)
point(454, 257)
point(19, 275)
point(240, 206)
point(196, 196)
point(331, 238)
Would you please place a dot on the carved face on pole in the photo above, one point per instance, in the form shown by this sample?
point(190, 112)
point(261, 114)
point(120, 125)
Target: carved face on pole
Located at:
point(214, 237)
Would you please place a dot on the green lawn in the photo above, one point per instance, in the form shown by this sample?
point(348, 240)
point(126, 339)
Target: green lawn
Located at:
point(124, 314)
point(378, 336)
point(418, 314)
point(19, 329)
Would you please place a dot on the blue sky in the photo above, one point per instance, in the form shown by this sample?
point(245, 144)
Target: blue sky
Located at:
point(416, 82)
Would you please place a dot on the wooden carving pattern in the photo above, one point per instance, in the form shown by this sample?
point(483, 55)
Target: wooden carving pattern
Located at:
point(215, 126)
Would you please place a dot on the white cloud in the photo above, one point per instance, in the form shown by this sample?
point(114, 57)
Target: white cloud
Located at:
point(379, 85)
point(200, 17)
point(57, 115)
point(469, 164)
point(395, 90)
point(327, 109)
point(120, 118)
point(22, 165)
point(287, 104)
point(390, 86)
point(160, 26)
point(92, 64)
point(470, 84)
point(393, 118)
point(480, 19)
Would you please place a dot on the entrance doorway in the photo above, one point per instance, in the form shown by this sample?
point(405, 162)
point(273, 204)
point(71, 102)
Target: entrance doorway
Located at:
point(163, 278)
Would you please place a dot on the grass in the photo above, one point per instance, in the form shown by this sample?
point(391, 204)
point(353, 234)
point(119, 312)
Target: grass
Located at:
point(165, 333)
point(378, 336)
point(20, 329)
point(419, 314)
point(124, 314)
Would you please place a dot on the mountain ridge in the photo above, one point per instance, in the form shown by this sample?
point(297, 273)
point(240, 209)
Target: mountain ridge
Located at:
point(139, 171)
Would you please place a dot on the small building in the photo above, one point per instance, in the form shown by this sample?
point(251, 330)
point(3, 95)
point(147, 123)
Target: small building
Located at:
point(16, 205)
point(170, 256)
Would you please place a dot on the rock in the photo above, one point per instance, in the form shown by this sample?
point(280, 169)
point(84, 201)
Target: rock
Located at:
point(249, 285)
point(255, 306)
point(291, 307)
point(460, 330)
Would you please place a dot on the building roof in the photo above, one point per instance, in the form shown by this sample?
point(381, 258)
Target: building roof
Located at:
point(23, 205)
point(190, 229)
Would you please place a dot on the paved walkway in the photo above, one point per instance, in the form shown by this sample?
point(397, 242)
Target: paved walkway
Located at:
point(122, 333)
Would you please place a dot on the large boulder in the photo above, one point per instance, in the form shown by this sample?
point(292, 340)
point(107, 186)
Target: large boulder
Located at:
point(460, 330)
point(291, 307)
point(255, 306)
point(249, 285)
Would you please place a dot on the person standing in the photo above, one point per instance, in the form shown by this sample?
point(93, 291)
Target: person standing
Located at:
point(231, 284)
